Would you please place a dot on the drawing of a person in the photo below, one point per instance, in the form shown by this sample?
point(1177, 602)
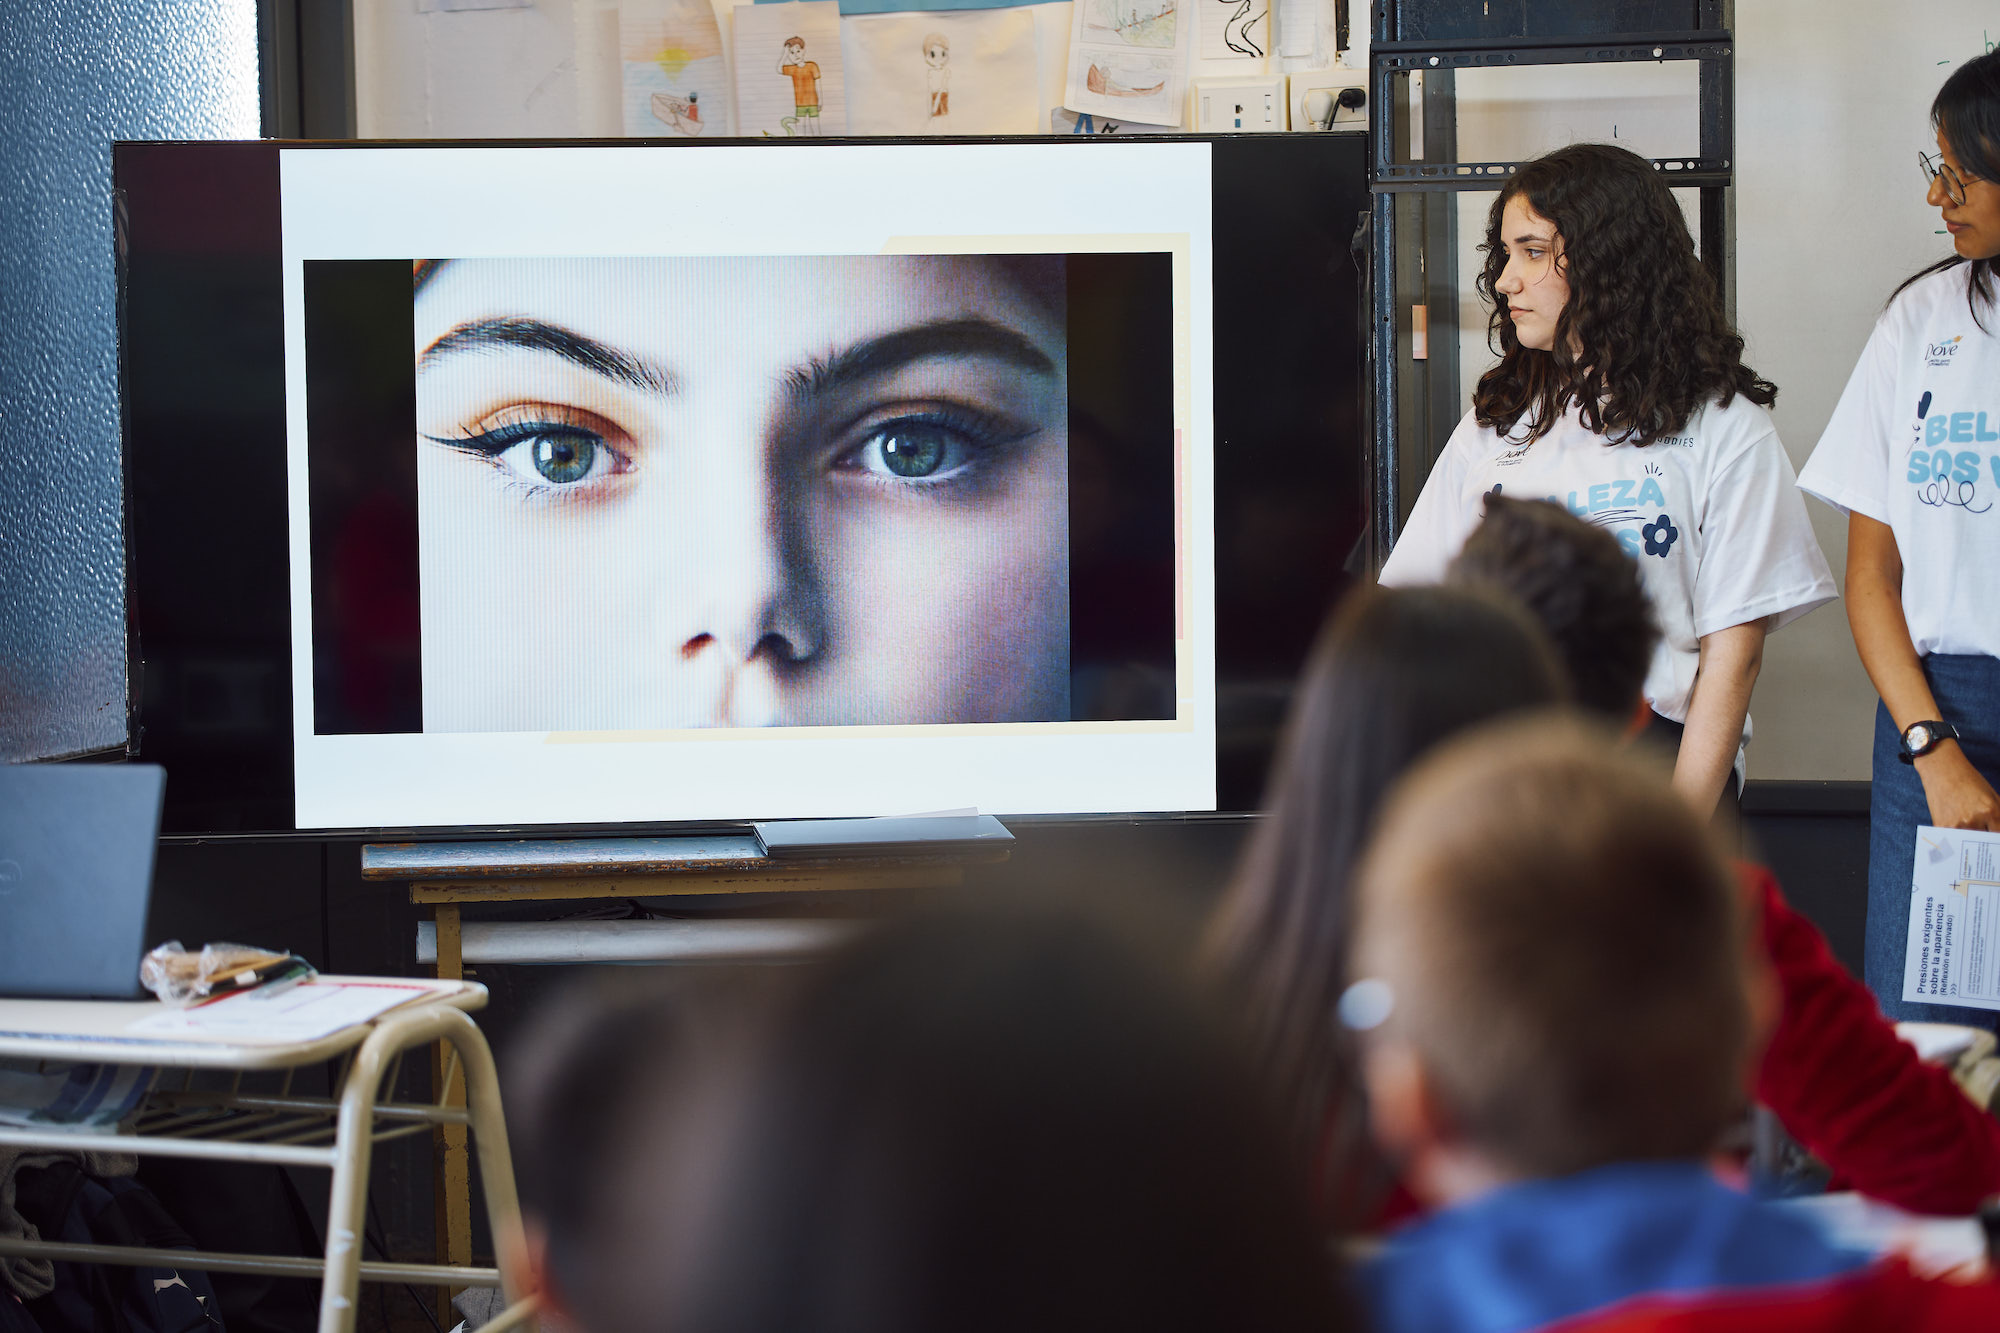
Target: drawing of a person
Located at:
point(937, 54)
point(804, 75)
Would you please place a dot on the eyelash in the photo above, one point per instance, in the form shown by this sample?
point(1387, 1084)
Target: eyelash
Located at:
point(981, 434)
point(491, 443)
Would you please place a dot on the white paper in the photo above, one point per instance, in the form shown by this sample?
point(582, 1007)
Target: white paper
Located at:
point(1235, 29)
point(273, 1015)
point(1953, 954)
point(957, 72)
point(674, 77)
point(1129, 59)
point(789, 81)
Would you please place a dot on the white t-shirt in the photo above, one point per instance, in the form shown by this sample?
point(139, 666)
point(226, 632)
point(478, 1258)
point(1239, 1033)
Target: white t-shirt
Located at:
point(1712, 514)
point(1915, 444)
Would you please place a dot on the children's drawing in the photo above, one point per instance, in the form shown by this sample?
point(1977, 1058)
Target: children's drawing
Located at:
point(675, 81)
point(789, 78)
point(958, 72)
point(804, 75)
point(1128, 59)
point(937, 79)
point(1235, 29)
point(1130, 22)
point(1126, 78)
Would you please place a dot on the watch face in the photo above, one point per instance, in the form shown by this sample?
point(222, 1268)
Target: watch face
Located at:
point(1918, 738)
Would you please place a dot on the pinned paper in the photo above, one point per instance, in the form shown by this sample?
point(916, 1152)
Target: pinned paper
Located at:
point(789, 80)
point(970, 72)
point(1235, 29)
point(1129, 58)
point(675, 79)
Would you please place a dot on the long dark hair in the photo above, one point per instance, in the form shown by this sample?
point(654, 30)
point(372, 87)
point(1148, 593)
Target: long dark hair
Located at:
point(1394, 672)
point(1966, 112)
point(1651, 342)
point(969, 1120)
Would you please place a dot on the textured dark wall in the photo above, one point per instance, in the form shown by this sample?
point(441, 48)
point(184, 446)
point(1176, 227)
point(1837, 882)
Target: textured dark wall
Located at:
point(79, 74)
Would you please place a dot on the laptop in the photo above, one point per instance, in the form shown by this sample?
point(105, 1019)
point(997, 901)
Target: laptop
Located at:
point(76, 877)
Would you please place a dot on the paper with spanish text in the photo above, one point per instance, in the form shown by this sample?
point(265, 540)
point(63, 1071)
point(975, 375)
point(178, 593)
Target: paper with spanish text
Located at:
point(1953, 953)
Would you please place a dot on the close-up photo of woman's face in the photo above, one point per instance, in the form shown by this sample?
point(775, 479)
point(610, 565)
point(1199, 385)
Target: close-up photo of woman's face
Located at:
point(667, 493)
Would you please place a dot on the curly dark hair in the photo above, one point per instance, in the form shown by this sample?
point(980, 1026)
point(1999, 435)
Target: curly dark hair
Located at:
point(1651, 341)
point(1576, 582)
point(1966, 112)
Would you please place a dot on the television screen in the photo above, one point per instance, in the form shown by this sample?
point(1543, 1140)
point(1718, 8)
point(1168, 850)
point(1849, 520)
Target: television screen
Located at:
point(595, 485)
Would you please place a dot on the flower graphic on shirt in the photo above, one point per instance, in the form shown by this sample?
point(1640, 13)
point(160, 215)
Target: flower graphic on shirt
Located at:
point(1660, 536)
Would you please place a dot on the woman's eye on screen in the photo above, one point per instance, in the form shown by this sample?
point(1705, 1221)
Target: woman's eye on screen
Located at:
point(925, 451)
point(544, 456)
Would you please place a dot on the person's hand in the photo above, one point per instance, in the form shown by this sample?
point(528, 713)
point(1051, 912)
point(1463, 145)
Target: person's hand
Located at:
point(1958, 796)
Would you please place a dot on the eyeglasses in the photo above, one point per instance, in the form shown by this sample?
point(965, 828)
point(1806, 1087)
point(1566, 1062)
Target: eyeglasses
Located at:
point(1934, 169)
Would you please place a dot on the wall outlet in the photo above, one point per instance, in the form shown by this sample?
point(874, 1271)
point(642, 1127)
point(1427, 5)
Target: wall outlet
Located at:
point(1315, 99)
point(1240, 105)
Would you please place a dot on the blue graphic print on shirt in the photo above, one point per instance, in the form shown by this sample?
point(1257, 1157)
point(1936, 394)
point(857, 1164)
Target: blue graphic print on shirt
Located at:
point(1620, 504)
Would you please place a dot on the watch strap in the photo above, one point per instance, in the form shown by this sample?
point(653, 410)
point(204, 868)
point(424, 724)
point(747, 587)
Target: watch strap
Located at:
point(1939, 731)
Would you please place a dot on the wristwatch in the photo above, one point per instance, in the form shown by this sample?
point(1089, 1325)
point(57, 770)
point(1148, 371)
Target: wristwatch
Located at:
point(1920, 738)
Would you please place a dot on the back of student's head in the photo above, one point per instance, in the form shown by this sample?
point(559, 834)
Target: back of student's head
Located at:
point(968, 1122)
point(1563, 948)
point(1394, 672)
point(1574, 579)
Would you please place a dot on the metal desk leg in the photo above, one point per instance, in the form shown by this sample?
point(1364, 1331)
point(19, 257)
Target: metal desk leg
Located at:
point(355, 1147)
point(452, 1169)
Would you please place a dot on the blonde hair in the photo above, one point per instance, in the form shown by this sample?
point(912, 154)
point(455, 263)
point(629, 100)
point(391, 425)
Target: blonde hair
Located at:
point(1565, 946)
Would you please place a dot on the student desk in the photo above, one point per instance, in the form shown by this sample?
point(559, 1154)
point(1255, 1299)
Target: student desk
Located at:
point(446, 875)
point(179, 1119)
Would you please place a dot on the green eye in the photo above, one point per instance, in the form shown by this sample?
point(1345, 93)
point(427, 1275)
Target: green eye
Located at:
point(908, 452)
point(566, 458)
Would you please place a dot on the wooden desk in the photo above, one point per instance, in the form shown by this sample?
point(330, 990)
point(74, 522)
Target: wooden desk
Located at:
point(446, 875)
point(279, 1128)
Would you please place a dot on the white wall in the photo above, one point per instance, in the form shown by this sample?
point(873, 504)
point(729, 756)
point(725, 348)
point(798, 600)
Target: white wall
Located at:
point(1832, 104)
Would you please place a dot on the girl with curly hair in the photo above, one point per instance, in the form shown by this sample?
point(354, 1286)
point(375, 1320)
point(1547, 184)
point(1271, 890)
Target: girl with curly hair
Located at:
point(1621, 393)
point(1912, 455)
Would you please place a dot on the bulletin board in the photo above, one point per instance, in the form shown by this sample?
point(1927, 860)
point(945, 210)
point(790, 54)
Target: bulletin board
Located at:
point(802, 68)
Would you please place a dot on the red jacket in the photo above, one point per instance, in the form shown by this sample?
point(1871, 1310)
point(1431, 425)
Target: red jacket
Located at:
point(1852, 1092)
point(1886, 1296)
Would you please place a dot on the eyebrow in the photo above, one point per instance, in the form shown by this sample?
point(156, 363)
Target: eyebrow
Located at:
point(893, 351)
point(536, 335)
point(1532, 238)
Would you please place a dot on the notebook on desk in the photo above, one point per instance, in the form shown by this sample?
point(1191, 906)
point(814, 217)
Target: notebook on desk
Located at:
point(76, 877)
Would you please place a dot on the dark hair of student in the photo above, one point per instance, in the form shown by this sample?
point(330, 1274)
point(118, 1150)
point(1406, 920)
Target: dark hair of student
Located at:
point(1581, 588)
point(971, 1121)
point(1966, 112)
point(1394, 672)
point(1643, 341)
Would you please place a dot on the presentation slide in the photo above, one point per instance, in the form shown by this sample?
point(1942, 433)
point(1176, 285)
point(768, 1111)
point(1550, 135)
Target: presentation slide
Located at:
point(748, 481)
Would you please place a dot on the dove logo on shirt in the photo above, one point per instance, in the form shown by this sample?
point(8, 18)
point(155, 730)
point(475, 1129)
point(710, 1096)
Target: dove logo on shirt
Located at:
point(1940, 354)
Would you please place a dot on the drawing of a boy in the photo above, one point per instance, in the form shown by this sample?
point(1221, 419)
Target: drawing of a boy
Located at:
point(804, 75)
point(937, 51)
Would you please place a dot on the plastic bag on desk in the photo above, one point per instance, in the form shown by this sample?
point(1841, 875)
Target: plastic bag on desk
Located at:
point(180, 976)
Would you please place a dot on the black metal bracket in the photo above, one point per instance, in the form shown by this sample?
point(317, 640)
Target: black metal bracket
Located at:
point(1711, 165)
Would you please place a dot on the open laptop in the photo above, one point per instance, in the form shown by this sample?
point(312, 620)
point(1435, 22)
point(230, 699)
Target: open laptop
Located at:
point(76, 877)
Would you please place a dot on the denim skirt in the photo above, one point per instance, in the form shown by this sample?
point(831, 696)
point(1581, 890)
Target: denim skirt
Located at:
point(1967, 689)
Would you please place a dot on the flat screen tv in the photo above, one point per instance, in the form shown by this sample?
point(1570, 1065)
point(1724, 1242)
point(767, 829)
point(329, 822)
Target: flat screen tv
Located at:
point(504, 486)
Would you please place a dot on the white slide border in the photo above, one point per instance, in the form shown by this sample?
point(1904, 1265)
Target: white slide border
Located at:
point(436, 202)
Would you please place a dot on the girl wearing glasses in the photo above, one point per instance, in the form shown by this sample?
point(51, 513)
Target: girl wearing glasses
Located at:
point(1912, 455)
point(1621, 394)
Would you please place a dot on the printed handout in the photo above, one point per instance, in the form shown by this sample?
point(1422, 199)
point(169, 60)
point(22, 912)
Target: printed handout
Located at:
point(1129, 58)
point(1953, 953)
point(789, 83)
